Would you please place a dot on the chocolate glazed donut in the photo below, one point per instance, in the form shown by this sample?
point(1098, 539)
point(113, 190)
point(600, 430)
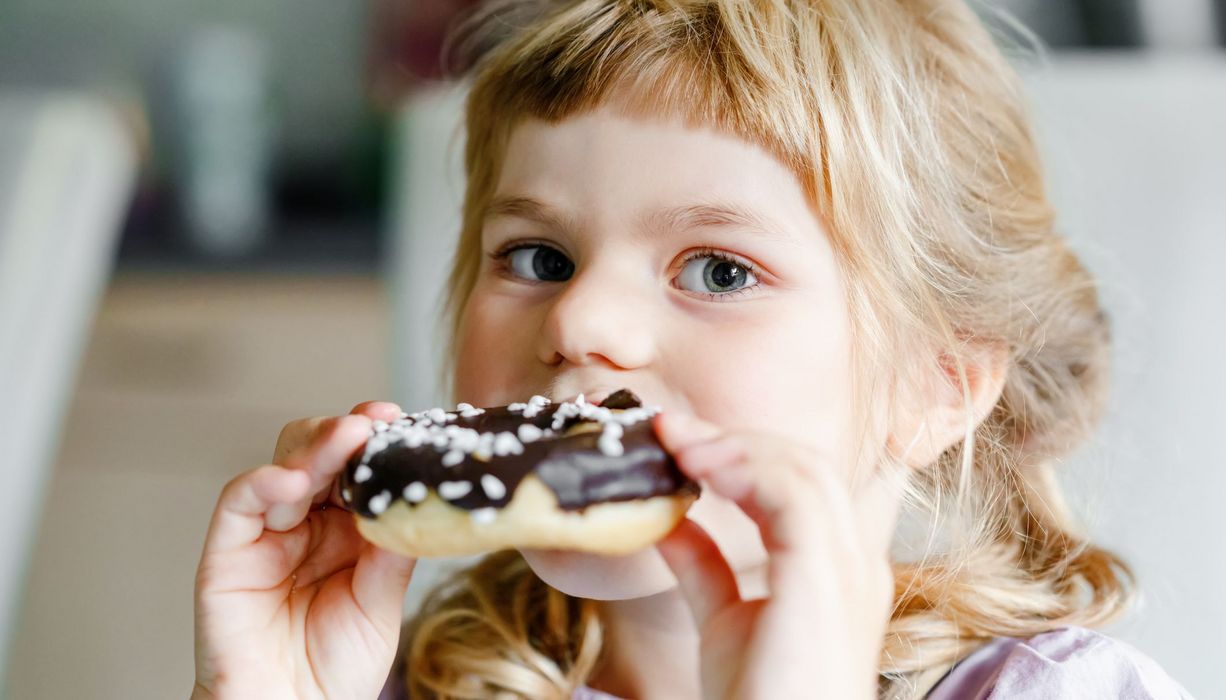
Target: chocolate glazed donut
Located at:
point(572, 475)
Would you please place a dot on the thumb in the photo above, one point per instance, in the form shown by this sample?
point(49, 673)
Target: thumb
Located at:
point(380, 580)
point(703, 575)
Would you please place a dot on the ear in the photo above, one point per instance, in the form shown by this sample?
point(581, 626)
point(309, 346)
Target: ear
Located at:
point(922, 432)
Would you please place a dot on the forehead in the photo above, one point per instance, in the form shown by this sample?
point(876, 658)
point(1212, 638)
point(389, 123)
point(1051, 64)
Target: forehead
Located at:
point(605, 158)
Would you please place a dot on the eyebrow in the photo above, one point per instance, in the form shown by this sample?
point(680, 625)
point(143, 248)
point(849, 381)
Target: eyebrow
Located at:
point(711, 214)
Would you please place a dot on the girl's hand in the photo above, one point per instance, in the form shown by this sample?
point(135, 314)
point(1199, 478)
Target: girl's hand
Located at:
point(291, 602)
point(820, 631)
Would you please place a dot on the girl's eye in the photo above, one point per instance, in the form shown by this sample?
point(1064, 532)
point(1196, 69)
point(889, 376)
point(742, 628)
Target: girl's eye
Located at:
point(709, 273)
point(540, 263)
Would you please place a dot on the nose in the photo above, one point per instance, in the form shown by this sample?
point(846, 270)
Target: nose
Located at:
point(598, 317)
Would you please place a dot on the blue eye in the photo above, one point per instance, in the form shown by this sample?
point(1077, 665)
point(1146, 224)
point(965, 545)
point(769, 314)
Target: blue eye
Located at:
point(540, 263)
point(709, 273)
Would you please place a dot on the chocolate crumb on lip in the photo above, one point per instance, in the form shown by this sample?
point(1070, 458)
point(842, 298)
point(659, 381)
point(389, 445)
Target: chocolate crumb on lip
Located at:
point(621, 399)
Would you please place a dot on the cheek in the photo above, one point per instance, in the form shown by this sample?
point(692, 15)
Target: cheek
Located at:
point(784, 370)
point(493, 346)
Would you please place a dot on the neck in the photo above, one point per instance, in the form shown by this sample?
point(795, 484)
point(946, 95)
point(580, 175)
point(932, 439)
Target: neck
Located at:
point(640, 633)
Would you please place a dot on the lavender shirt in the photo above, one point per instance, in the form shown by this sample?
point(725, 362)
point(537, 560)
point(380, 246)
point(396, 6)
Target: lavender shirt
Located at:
point(1070, 662)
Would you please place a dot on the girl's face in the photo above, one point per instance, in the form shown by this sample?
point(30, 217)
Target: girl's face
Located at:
point(683, 264)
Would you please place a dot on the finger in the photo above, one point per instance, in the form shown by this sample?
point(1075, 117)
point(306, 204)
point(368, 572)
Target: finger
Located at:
point(703, 575)
point(294, 436)
point(877, 503)
point(322, 460)
point(680, 430)
point(330, 497)
point(722, 462)
point(765, 482)
point(380, 580)
point(385, 411)
point(239, 518)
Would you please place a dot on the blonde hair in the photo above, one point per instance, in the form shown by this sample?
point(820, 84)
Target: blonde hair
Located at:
point(908, 129)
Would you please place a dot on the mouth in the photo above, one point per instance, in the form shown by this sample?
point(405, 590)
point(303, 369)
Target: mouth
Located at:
point(595, 396)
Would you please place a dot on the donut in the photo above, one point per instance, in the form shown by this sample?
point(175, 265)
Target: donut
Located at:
point(572, 475)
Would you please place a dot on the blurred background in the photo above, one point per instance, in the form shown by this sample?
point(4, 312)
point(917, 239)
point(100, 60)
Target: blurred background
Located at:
point(216, 217)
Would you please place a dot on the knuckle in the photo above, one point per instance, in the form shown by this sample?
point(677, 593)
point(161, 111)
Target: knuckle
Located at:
point(294, 433)
point(366, 407)
point(363, 407)
point(330, 428)
point(319, 430)
point(235, 484)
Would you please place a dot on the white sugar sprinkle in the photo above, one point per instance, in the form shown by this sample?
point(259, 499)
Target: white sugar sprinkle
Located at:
point(433, 427)
point(528, 433)
point(378, 502)
point(415, 492)
point(466, 440)
point(483, 516)
point(506, 443)
point(610, 445)
point(378, 443)
point(451, 490)
point(493, 487)
point(346, 494)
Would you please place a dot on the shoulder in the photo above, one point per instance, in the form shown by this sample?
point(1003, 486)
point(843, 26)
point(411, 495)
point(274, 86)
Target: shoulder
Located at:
point(1065, 662)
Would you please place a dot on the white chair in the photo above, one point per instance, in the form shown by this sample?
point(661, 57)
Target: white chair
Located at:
point(67, 172)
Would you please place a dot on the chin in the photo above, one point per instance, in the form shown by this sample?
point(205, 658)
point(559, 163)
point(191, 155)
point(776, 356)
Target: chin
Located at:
point(600, 577)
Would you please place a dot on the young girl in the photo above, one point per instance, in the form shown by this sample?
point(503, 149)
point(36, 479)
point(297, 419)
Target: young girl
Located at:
point(815, 234)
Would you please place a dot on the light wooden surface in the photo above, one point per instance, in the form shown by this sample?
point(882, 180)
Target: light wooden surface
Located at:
point(186, 382)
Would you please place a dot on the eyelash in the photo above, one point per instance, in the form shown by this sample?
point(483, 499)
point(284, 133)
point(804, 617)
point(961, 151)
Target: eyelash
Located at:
point(501, 255)
point(718, 255)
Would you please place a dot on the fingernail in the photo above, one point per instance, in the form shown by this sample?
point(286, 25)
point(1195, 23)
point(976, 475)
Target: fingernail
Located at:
point(713, 455)
point(691, 428)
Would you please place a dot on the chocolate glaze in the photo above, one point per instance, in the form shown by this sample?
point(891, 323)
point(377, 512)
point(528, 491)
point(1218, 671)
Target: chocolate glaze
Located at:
point(571, 465)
